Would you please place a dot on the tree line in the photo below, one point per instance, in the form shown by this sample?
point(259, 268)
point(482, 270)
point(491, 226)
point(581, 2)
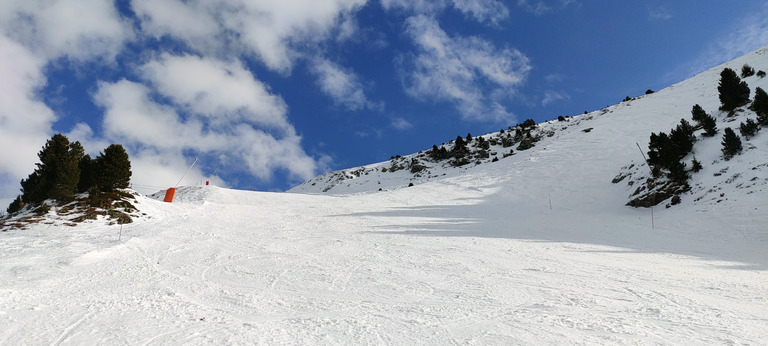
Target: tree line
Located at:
point(65, 170)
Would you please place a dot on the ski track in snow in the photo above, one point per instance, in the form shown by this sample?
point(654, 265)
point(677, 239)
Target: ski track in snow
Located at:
point(371, 269)
point(537, 248)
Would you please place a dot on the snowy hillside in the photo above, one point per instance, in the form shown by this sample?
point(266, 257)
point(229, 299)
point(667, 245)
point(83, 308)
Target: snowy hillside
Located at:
point(598, 146)
point(535, 248)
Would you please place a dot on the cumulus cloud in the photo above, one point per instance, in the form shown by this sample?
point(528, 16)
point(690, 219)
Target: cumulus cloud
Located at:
point(222, 91)
point(470, 72)
point(80, 30)
point(341, 85)
point(401, 124)
point(268, 29)
point(224, 112)
point(25, 121)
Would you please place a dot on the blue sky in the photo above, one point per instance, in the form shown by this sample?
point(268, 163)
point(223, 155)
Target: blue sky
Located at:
point(273, 93)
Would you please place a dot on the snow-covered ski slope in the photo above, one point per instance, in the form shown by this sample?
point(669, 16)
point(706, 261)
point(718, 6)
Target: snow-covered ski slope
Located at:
point(537, 248)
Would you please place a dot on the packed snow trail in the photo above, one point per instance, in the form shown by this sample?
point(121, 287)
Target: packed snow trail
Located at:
point(435, 264)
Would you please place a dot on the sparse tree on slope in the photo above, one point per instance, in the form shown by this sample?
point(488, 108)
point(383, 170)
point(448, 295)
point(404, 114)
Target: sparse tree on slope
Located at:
point(760, 106)
point(731, 144)
point(748, 128)
point(698, 114)
point(733, 91)
point(747, 71)
point(706, 121)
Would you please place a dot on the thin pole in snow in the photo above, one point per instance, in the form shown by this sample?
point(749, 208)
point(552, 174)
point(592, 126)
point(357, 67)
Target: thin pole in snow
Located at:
point(642, 153)
point(185, 173)
point(653, 224)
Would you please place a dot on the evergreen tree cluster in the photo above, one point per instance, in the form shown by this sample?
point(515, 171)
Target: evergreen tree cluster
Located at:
point(468, 148)
point(64, 169)
point(666, 151)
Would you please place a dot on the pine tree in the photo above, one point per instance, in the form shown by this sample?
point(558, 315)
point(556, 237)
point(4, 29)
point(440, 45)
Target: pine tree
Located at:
point(710, 125)
point(696, 165)
point(698, 114)
point(747, 71)
point(731, 144)
point(57, 173)
point(661, 151)
point(113, 168)
point(733, 91)
point(749, 128)
point(678, 173)
point(87, 173)
point(15, 206)
point(459, 144)
point(760, 106)
point(682, 137)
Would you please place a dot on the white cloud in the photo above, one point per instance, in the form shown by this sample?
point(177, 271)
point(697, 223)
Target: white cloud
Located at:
point(554, 78)
point(418, 6)
point(551, 96)
point(25, 121)
point(401, 124)
point(540, 7)
point(84, 134)
point(659, 12)
point(269, 29)
point(491, 11)
point(224, 112)
point(462, 70)
point(225, 92)
point(81, 30)
point(340, 85)
point(483, 10)
point(189, 22)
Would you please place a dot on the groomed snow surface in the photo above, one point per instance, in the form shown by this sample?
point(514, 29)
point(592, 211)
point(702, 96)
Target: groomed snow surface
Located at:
point(537, 248)
point(467, 261)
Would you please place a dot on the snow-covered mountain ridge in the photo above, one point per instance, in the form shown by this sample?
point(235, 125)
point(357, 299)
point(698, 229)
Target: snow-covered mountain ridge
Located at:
point(618, 129)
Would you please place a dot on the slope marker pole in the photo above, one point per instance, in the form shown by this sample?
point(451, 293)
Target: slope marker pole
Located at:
point(550, 201)
point(653, 224)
